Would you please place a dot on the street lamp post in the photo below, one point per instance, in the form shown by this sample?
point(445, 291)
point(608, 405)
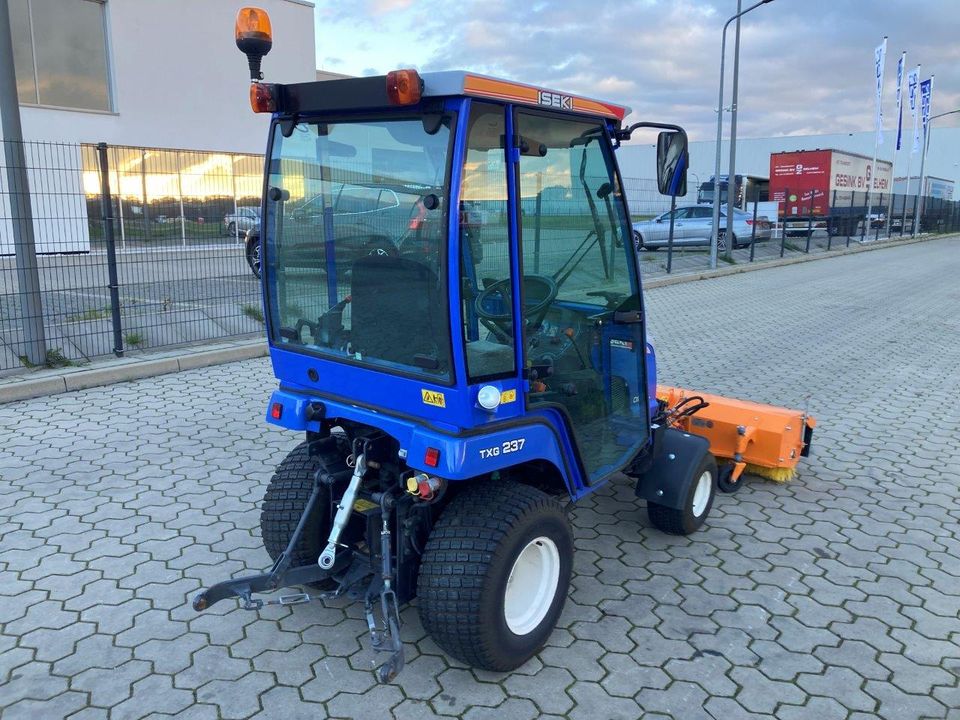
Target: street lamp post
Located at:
point(731, 173)
point(923, 159)
point(714, 233)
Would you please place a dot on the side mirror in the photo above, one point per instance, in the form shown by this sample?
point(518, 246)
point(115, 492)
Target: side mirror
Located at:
point(672, 162)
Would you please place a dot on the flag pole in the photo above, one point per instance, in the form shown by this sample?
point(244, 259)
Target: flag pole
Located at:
point(923, 157)
point(878, 63)
point(914, 110)
point(891, 201)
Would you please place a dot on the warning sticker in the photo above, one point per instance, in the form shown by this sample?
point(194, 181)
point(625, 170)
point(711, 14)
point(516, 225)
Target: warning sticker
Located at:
point(508, 396)
point(362, 505)
point(432, 397)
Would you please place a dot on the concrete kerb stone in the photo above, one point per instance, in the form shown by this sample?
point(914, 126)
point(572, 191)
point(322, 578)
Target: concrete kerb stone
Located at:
point(783, 262)
point(125, 370)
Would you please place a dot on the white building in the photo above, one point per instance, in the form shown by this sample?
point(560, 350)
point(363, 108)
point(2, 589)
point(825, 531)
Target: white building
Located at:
point(154, 73)
point(141, 75)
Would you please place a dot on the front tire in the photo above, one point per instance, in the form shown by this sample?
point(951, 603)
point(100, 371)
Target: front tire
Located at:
point(495, 574)
point(696, 504)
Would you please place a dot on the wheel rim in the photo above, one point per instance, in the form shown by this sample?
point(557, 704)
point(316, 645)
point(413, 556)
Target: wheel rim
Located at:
point(532, 585)
point(255, 258)
point(701, 496)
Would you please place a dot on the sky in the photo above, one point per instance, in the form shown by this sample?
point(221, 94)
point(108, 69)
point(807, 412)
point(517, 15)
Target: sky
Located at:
point(806, 66)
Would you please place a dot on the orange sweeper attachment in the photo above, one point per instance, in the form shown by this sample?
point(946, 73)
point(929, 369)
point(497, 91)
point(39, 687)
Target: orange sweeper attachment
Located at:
point(759, 439)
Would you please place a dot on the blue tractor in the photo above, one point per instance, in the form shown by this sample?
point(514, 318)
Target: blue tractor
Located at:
point(470, 367)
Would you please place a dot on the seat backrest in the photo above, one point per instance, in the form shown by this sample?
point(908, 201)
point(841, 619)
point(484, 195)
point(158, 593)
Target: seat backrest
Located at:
point(398, 313)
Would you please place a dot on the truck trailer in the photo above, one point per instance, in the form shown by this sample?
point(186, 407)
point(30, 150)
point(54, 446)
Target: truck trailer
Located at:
point(828, 190)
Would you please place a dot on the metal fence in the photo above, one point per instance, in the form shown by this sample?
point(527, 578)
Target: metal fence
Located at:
point(132, 250)
point(139, 248)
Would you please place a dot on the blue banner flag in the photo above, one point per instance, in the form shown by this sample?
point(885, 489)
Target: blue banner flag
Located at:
point(900, 66)
point(926, 90)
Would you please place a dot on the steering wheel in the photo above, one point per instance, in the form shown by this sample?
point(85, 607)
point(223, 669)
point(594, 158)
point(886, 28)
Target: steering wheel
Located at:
point(534, 311)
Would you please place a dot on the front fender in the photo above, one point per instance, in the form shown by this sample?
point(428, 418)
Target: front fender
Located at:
point(667, 479)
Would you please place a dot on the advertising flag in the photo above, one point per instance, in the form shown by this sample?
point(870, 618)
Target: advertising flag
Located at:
point(913, 83)
point(926, 90)
point(879, 58)
point(900, 66)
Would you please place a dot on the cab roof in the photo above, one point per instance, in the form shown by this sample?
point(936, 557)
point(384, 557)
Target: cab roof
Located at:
point(370, 92)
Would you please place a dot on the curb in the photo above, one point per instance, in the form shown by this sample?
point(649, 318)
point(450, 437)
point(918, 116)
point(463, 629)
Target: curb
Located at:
point(783, 262)
point(116, 372)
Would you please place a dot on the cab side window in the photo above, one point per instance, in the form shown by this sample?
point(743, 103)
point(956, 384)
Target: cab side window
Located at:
point(486, 276)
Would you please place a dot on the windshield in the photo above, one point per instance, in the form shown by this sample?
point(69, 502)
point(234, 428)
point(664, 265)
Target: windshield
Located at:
point(354, 242)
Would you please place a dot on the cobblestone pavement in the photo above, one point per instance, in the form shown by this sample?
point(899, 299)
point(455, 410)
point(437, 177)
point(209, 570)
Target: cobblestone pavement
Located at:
point(835, 596)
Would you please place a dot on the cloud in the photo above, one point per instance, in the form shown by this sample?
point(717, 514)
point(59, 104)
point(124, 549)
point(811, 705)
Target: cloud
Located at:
point(805, 67)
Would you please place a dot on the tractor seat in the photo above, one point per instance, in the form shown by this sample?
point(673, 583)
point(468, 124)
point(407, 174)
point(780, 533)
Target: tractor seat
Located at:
point(398, 313)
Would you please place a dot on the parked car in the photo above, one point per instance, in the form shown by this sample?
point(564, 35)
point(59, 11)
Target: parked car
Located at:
point(693, 225)
point(242, 220)
point(397, 220)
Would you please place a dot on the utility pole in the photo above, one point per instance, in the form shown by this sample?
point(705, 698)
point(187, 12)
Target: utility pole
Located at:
point(715, 228)
point(21, 213)
point(731, 176)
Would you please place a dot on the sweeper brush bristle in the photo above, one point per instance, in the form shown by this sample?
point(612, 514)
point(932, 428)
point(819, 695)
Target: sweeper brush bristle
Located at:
point(780, 475)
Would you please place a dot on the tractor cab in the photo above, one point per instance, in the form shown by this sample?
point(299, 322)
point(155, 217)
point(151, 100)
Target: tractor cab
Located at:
point(481, 278)
point(455, 318)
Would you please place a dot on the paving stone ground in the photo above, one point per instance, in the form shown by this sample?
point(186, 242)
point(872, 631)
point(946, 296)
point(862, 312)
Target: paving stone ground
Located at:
point(835, 596)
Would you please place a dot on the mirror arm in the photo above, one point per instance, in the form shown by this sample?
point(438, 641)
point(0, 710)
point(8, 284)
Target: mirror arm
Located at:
point(625, 133)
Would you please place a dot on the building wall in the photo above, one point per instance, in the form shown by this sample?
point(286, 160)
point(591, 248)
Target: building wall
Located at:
point(179, 80)
point(753, 154)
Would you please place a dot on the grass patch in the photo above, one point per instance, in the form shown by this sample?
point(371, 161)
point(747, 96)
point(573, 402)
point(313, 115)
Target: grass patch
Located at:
point(253, 312)
point(791, 246)
point(54, 359)
point(727, 260)
point(92, 314)
point(133, 339)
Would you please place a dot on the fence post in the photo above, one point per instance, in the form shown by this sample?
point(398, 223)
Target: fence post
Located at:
point(21, 212)
point(753, 230)
point(876, 232)
point(866, 218)
point(236, 217)
point(183, 220)
point(106, 212)
point(831, 224)
point(783, 227)
point(143, 187)
point(536, 226)
point(673, 207)
point(903, 214)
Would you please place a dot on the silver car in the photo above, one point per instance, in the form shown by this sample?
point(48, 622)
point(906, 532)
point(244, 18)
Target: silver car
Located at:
point(692, 225)
point(245, 218)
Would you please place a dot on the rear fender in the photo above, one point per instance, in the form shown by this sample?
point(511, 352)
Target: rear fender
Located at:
point(463, 455)
point(668, 478)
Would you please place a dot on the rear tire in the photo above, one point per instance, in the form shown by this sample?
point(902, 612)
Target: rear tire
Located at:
point(283, 504)
point(696, 504)
point(495, 574)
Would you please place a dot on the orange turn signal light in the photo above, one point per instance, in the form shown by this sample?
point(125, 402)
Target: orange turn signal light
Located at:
point(262, 98)
point(253, 24)
point(404, 87)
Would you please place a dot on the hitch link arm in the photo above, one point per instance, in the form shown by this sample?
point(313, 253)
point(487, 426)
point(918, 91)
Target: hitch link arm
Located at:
point(344, 509)
point(387, 640)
